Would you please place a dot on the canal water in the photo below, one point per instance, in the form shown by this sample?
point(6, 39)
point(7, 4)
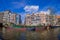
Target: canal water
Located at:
point(53, 34)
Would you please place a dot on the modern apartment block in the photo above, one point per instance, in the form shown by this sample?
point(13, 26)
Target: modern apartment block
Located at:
point(47, 18)
point(13, 18)
point(9, 17)
point(6, 16)
point(58, 20)
point(1, 17)
point(18, 19)
point(33, 19)
point(42, 17)
point(27, 19)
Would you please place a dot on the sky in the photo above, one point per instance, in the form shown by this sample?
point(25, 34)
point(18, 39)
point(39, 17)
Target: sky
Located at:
point(28, 6)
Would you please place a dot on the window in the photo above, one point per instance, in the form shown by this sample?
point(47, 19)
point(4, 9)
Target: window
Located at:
point(32, 17)
point(59, 20)
point(37, 18)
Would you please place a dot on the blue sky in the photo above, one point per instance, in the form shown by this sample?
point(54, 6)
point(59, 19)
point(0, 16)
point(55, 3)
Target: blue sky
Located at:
point(26, 6)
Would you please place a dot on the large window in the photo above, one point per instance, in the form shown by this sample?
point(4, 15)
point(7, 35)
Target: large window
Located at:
point(28, 17)
point(37, 18)
point(32, 17)
point(58, 19)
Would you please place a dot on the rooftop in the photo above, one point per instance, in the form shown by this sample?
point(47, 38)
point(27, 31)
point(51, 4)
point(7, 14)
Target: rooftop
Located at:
point(57, 16)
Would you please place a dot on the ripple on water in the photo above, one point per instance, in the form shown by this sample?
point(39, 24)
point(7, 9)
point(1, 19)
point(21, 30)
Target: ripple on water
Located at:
point(59, 36)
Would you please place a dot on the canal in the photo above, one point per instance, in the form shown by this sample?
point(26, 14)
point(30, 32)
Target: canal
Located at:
point(52, 34)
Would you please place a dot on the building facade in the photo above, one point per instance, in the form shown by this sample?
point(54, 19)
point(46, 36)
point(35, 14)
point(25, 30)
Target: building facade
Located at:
point(6, 16)
point(35, 18)
point(18, 19)
point(32, 20)
point(42, 18)
point(13, 18)
point(58, 20)
point(1, 16)
point(27, 19)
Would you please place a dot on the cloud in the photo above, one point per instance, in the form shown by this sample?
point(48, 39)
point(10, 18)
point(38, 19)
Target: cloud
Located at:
point(31, 8)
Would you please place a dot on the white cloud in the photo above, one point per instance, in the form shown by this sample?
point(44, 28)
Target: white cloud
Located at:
point(31, 8)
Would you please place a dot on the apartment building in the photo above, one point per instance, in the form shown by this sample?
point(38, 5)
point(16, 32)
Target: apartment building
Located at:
point(13, 18)
point(9, 17)
point(35, 18)
point(42, 17)
point(1, 17)
point(18, 19)
point(58, 20)
point(32, 20)
point(27, 19)
point(6, 16)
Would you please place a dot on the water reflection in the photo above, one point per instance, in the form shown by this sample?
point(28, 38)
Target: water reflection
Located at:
point(59, 36)
point(52, 34)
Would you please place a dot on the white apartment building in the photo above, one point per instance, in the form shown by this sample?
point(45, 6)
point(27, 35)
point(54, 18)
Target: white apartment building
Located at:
point(27, 19)
point(13, 18)
point(1, 17)
point(18, 19)
point(6, 16)
point(42, 17)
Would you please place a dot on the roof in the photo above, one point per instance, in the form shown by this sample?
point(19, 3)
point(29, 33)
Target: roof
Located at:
point(57, 16)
